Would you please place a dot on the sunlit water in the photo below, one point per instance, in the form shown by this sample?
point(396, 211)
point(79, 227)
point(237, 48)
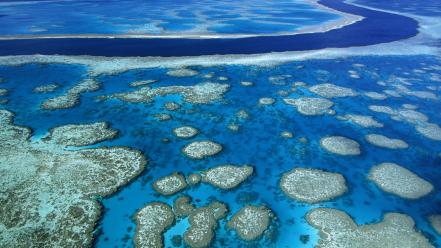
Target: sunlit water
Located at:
point(258, 142)
point(159, 17)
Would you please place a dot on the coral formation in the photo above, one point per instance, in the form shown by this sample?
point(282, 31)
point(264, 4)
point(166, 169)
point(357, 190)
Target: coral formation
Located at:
point(203, 223)
point(201, 93)
point(182, 72)
point(48, 88)
point(337, 229)
point(81, 134)
point(312, 185)
point(310, 105)
point(251, 222)
point(227, 176)
point(400, 181)
point(49, 195)
point(170, 184)
point(151, 222)
point(386, 142)
point(331, 91)
point(201, 149)
point(72, 97)
point(340, 145)
point(185, 132)
point(361, 120)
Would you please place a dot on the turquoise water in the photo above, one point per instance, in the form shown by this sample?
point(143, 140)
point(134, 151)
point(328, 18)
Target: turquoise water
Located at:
point(158, 17)
point(258, 142)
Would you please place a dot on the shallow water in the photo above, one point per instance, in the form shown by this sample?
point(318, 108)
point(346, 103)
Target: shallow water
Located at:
point(159, 17)
point(257, 143)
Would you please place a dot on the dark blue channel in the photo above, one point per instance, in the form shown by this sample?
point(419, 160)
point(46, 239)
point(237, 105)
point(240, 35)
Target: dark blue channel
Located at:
point(377, 27)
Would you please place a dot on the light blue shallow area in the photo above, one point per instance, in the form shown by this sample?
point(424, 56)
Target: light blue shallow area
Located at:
point(258, 142)
point(158, 17)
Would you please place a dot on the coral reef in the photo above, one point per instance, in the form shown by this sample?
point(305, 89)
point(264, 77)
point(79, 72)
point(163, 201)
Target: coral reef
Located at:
point(182, 72)
point(385, 142)
point(48, 88)
point(331, 91)
point(72, 97)
point(227, 176)
point(171, 184)
point(310, 105)
point(312, 185)
point(49, 194)
point(201, 93)
point(151, 222)
point(361, 120)
point(201, 149)
point(81, 134)
point(337, 229)
point(400, 181)
point(203, 223)
point(251, 222)
point(340, 145)
point(185, 132)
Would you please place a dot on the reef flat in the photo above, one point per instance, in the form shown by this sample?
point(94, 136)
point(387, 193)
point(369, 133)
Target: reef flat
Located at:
point(227, 176)
point(185, 132)
point(172, 106)
point(203, 222)
point(183, 207)
point(151, 222)
point(375, 95)
point(49, 193)
point(413, 117)
point(81, 134)
point(312, 185)
point(340, 145)
point(182, 72)
point(251, 222)
point(48, 88)
point(331, 90)
point(311, 105)
point(386, 142)
point(398, 180)
point(361, 120)
point(72, 97)
point(170, 185)
point(337, 229)
point(266, 101)
point(141, 83)
point(201, 93)
point(201, 149)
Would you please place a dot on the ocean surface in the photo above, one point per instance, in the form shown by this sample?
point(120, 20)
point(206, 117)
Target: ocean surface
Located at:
point(258, 141)
point(163, 17)
point(393, 27)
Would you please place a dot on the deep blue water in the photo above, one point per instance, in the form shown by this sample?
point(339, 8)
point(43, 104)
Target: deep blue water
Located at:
point(257, 143)
point(423, 8)
point(376, 27)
